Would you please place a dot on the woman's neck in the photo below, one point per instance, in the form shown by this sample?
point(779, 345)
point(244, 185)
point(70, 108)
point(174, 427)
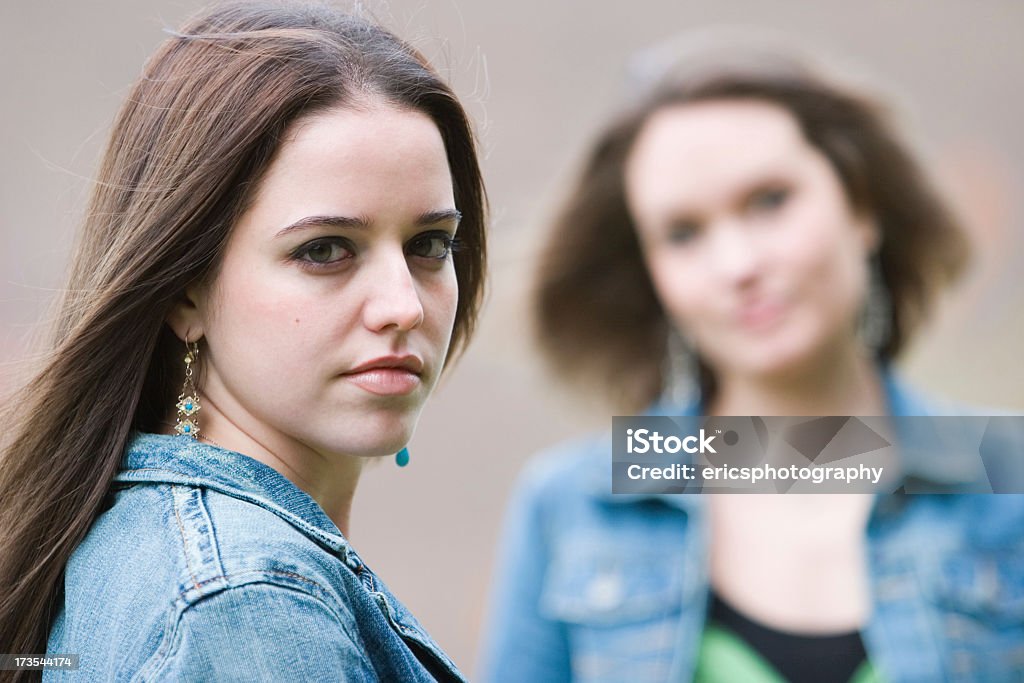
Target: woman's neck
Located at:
point(843, 382)
point(329, 479)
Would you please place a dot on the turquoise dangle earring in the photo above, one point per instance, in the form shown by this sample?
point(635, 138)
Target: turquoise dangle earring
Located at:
point(402, 457)
point(188, 399)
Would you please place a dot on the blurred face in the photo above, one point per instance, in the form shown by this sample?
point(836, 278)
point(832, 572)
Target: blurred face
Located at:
point(329, 320)
point(751, 244)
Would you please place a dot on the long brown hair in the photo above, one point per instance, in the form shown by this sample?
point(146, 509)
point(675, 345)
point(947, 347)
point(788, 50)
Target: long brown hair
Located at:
point(189, 146)
point(598, 320)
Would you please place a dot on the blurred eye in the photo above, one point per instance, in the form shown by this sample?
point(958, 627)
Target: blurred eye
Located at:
point(768, 200)
point(681, 233)
point(323, 251)
point(432, 245)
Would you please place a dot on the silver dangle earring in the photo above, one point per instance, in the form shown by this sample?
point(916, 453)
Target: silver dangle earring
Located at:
point(875, 324)
point(188, 400)
point(681, 384)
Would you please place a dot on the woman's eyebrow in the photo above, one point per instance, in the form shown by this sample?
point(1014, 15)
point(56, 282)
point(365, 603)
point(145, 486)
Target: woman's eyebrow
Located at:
point(760, 183)
point(426, 218)
point(328, 221)
point(432, 217)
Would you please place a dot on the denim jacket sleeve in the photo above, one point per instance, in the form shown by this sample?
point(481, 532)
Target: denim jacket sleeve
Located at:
point(259, 631)
point(521, 643)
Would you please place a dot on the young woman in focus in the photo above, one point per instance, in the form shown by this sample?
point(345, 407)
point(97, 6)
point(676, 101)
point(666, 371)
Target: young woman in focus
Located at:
point(284, 249)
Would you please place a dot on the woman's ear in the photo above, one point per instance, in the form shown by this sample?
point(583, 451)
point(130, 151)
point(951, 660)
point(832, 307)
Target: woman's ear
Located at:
point(186, 316)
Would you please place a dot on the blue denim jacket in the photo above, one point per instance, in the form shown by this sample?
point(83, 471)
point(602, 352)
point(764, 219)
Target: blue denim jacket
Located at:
point(598, 587)
point(211, 566)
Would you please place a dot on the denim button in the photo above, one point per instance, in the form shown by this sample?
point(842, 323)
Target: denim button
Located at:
point(605, 591)
point(350, 558)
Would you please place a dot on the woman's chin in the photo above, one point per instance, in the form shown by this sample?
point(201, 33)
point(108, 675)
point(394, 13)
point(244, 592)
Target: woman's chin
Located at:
point(384, 435)
point(367, 435)
point(368, 449)
point(778, 359)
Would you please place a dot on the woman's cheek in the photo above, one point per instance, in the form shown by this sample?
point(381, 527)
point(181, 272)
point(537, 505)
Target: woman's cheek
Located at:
point(442, 299)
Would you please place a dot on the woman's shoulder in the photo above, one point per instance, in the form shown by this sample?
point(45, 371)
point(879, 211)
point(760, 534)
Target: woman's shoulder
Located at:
point(202, 599)
point(907, 399)
point(172, 569)
point(184, 543)
point(262, 550)
point(575, 468)
point(212, 549)
point(566, 489)
point(224, 514)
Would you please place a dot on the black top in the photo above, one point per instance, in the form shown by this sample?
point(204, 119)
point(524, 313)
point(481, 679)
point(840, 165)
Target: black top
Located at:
point(799, 658)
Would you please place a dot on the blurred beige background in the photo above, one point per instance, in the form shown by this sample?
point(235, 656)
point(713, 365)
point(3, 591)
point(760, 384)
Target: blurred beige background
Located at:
point(539, 78)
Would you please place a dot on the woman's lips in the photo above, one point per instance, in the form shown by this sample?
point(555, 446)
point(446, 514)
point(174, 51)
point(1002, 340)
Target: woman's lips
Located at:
point(760, 315)
point(385, 381)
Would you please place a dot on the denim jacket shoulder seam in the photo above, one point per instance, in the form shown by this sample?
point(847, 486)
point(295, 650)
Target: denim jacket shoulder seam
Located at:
point(169, 641)
point(324, 538)
point(248, 577)
point(199, 542)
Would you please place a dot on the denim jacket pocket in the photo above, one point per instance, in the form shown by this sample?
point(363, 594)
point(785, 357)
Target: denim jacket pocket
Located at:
point(988, 587)
point(621, 608)
point(980, 599)
point(595, 584)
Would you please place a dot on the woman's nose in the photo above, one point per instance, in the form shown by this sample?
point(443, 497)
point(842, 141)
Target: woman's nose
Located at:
point(735, 258)
point(392, 299)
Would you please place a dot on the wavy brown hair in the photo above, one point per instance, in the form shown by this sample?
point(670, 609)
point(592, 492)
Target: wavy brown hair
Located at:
point(185, 156)
point(597, 318)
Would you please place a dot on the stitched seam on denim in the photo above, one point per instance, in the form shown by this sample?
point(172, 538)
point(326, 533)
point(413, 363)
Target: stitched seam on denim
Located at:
point(200, 545)
point(170, 641)
point(366, 578)
point(421, 638)
point(295, 520)
point(262, 572)
point(161, 651)
point(151, 469)
point(214, 545)
point(184, 539)
point(159, 657)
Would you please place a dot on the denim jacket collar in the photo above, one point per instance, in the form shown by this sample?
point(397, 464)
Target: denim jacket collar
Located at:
point(901, 401)
point(172, 459)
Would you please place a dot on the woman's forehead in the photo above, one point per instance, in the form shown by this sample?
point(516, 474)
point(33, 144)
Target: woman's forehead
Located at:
point(708, 151)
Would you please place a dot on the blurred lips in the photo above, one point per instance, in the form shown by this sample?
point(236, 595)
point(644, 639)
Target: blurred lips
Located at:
point(387, 375)
point(760, 315)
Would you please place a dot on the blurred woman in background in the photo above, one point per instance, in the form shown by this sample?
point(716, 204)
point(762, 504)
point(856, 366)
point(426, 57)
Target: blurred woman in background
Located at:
point(750, 237)
point(265, 291)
